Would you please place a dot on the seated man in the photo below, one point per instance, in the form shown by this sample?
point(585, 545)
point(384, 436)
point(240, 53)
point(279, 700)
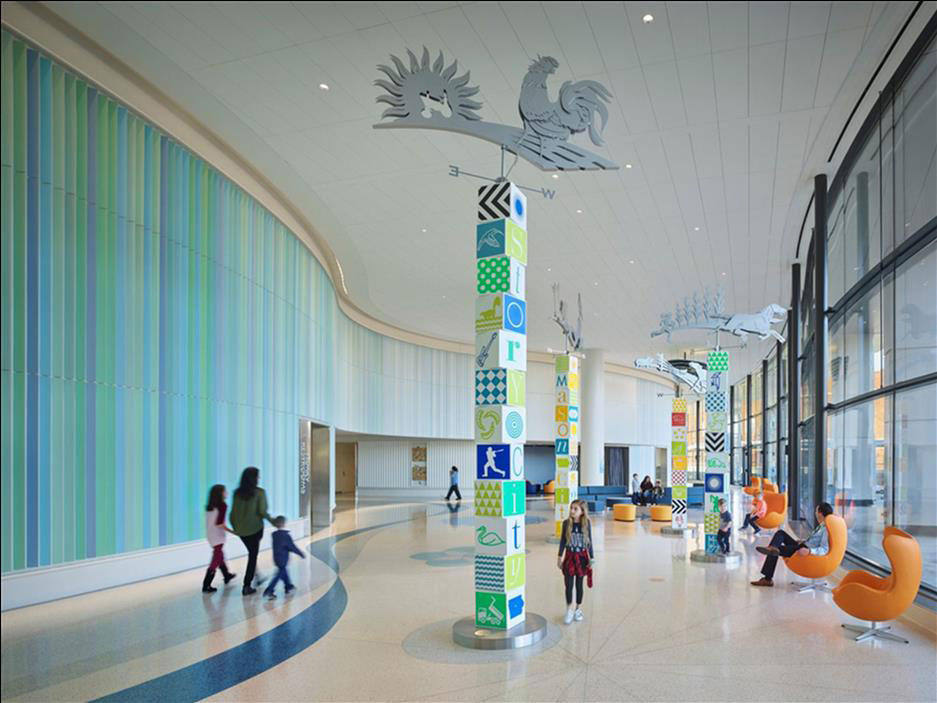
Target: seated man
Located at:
point(782, 544)
point(759, 508)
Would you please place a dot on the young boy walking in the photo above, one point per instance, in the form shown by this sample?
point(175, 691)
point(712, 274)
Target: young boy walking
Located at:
point(282, 546)
point(725, 526)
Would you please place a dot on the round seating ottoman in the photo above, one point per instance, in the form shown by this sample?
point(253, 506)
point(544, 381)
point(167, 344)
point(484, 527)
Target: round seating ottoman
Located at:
point(623, 511)
point(660, 513)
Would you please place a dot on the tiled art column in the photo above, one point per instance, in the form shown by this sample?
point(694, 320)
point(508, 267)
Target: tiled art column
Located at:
point(500, 414)
point(678, 464)
point(717, 446)
point(566, 416)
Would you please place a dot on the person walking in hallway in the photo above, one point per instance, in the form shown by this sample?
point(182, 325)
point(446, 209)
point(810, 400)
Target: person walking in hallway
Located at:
point(576, 557)
point(248, 512)
point(454, 484)
point(216, 532)
point(783, 545)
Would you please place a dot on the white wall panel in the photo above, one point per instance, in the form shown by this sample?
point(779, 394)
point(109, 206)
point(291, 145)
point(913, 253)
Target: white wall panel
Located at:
point(386, 463)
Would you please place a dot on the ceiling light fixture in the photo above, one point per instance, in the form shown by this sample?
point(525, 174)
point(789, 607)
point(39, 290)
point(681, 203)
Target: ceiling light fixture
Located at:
point(627, 165)
point(324, 86)
point(578, 211)
point(423, 230)
point(556, 175)
point(723, 273)
point(549, 269)
point(630, 261)
point(696, 229)
point(648, 18)
point(596, 283)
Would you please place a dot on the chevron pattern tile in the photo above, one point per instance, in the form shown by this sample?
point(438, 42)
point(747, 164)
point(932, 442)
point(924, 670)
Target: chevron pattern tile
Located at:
point(715, 441)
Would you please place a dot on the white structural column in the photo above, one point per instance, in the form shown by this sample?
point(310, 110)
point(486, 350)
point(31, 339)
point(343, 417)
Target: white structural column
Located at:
point(592, 413)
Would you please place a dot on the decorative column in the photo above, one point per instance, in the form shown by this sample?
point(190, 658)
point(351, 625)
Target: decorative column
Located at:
point(592, 454)
point(716, 482)
point(566, 445)
point(500, 414)
point(678, 464)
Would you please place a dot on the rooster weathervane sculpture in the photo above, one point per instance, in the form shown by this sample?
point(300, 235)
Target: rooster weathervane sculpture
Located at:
point(429, 95)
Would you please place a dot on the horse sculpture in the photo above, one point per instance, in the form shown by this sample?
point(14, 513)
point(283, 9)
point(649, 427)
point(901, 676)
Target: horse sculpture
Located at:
point(690, 373)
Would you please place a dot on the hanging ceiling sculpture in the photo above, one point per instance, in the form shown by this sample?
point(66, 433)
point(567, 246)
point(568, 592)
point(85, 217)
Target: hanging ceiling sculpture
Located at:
point(707, 312)
point(429, 95)
point(571, 335)
point(685, 371)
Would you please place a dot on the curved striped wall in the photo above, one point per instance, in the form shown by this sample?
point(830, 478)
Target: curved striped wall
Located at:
point(161, 330)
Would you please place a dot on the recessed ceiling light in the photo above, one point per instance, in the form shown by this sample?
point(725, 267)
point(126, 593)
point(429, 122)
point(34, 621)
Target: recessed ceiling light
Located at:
point(423, 230)
point(556, 175)
point(648, 18)
point(324, 86)
point(723, 273)
point(627, 165)
point(549, 269)
point(630, 261)
point(696, 229)
point(596, 283)
point(578, 211)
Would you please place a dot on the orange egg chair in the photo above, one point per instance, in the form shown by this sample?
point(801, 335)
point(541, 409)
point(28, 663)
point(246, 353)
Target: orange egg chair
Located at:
point(817, 566)
point(868, 597)
point(550, 487)
point(769, 487)
point(776, 504)
point(754, 487)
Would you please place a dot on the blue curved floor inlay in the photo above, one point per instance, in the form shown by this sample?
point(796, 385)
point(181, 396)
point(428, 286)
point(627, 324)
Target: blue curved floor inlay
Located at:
point(233, 666)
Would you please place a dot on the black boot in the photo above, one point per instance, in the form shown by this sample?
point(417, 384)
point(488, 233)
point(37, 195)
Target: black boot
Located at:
point(206, 583)
point(228, 576)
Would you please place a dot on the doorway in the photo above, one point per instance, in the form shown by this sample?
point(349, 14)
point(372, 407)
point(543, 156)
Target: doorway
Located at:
point(617, 460)
point(346, 468)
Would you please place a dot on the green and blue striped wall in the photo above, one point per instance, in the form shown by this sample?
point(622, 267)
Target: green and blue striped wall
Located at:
point(161, 330)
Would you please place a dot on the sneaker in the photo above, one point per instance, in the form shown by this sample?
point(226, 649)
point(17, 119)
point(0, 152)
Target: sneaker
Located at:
point(290, 589)
point(578, 616)
point(269, 595)
point(248, 591)
point(208, 589)
point(763, 582)
point(568, 618)
point(770, 551)
point(229, 578)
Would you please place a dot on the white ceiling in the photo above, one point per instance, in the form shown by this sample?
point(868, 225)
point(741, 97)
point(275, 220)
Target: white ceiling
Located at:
point(725, 110)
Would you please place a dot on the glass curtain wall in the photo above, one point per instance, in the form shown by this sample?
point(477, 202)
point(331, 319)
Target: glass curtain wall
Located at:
point(881, 360)
point(879, 405)
point(693, 438)
point(739, 441)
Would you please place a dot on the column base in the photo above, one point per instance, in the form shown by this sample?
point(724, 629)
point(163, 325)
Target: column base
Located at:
point(678, 531)
point(531, 631)
point(730, 559)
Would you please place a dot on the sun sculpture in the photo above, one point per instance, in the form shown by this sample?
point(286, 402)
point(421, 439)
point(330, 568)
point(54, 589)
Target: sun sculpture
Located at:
point(431, 91)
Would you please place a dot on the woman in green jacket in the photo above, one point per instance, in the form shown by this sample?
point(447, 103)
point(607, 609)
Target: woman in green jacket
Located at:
point(248, 512)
